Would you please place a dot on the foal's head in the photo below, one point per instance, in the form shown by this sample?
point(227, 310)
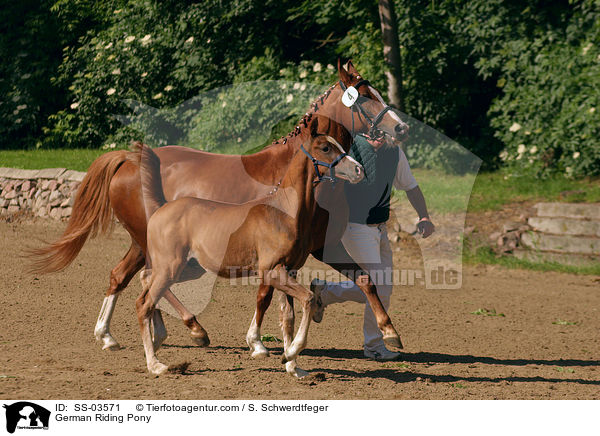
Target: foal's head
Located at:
point(329, 142)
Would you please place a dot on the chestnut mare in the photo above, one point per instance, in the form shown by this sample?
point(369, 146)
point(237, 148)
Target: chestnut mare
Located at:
point(270, 236)
point(112, 186)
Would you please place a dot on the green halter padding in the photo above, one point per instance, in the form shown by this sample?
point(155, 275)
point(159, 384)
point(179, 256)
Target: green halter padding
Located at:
point(366, 155)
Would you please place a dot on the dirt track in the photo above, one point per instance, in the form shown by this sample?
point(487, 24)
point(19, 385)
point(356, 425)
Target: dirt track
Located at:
point(47, 347)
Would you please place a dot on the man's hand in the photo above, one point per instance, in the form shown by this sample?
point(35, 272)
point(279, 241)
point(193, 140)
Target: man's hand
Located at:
point(425, 227)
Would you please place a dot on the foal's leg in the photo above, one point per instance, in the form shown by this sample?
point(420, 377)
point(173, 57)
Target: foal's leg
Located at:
point(287, 319)
point(153, 285)
point(263, 300)
point(346, 266)
point(120, 277)
point(280, 279)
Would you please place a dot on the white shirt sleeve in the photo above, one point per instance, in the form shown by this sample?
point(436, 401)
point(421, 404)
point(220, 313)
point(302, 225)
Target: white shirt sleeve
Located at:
point(404, 180)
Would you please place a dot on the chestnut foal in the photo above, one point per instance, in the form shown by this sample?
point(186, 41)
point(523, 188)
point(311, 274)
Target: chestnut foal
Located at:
point(269, 236)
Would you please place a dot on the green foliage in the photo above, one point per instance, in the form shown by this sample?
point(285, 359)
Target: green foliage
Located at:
point(547, 116)
point(488, 312)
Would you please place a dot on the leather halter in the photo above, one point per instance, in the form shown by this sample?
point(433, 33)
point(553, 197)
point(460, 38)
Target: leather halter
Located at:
point(331, 166)
point(357, 107)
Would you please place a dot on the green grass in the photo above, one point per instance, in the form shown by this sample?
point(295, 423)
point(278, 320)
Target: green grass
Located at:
point(486, 312)
point(72, 159)
point(493, 190)
point(269, 338)
point(485, 255)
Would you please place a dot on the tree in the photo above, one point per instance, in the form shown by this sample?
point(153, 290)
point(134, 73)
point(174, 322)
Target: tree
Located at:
point(391, 52)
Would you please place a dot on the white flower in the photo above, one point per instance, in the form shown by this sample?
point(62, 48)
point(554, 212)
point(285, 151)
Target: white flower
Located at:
point(289, 98)
point(592, 110)
point(157, 96)
point(16, 112)
point(118, 11)
point(587, 48)
point(296, 85)
point(22, 107)
point(208, 41)
point(224, 104)
point(284, 86)
point(74, 105)
point(18, 120)
point(282, 72)
point(111, 91)
point(129, 39)
point(239, 139)
point(521, 149)
point(317, 67)
point(303, 74)
point(533, 150)
point(519, 156)
point(112, 145)
point(576, 155)
point(503, 154)
point(303, 87)
point(527, 132)
point(144, 74)
point(126, 48)
point(330, 67)
point(146, 39)
point(569, 170)
point(116, 71)
point(189, 40)
point(168, 88)
point(515, 127)
point(26, 76)
point(107, 46)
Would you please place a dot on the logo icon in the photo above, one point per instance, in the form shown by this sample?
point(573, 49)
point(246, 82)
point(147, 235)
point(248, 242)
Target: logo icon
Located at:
point(26, 415)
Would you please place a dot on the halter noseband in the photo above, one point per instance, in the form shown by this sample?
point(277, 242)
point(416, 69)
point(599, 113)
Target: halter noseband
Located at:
point(357, 107)
point(331, 166)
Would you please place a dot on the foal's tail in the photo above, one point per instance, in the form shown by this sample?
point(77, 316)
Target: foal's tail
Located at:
point(92, 214)
point(152, 190)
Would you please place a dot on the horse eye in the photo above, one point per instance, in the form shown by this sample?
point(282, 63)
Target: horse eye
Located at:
point(326, 149)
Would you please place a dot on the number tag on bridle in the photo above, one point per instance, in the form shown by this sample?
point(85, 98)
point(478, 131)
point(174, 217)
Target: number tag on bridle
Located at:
point(349, 97)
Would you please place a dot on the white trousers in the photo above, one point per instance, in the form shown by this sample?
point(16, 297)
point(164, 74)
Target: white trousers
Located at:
point(369, 246)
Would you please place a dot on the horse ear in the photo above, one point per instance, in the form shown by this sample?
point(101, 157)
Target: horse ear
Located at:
point(345, 77)
point(351, 68)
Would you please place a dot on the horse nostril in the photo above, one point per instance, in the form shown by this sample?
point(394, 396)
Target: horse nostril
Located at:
point(357, 170)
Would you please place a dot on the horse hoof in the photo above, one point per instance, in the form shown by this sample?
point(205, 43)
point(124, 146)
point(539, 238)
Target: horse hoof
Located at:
point(158, 368)
point(393, 341)
point(109, 343)
point(260, 354)
point(200, 340)
point(300, 373)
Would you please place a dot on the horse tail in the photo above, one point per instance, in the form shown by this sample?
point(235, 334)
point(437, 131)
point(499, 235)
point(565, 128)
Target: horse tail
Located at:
point(92, 215)
point(152, 189)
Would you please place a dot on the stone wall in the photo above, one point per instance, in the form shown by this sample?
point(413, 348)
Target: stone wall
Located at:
point(566, 233)
point(45, 193)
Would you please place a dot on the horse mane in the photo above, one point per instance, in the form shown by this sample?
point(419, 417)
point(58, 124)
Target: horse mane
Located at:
point(306, 118)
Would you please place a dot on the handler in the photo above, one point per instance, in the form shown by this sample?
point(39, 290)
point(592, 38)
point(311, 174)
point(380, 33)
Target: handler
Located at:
point(366, 239)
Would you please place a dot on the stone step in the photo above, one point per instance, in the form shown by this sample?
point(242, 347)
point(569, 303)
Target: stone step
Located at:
point(565, 226)
point(562, 258)
point(561, 244)
point(569, 210)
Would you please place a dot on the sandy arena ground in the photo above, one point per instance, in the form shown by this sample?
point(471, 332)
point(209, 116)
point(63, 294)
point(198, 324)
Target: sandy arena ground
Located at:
point(48, 351)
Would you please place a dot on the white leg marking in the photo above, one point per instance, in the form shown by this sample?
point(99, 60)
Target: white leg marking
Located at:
point(253, 340)
point(159, 332)
point(102, 329)
point(154, 366)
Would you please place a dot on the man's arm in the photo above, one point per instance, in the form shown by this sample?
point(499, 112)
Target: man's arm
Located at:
point(417, 200)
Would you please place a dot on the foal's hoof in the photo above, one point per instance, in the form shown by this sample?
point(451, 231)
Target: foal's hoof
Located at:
point(158, 368)
point(260, 354)
point(292, 369)
point(200, 337)
point(393, 341)
point(109, 343)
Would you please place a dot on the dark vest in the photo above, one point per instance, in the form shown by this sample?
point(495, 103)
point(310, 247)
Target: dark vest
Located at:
point(369, 200)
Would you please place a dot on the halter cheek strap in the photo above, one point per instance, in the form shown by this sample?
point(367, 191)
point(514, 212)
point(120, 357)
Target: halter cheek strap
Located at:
point(357, 107)
point(331, 166)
